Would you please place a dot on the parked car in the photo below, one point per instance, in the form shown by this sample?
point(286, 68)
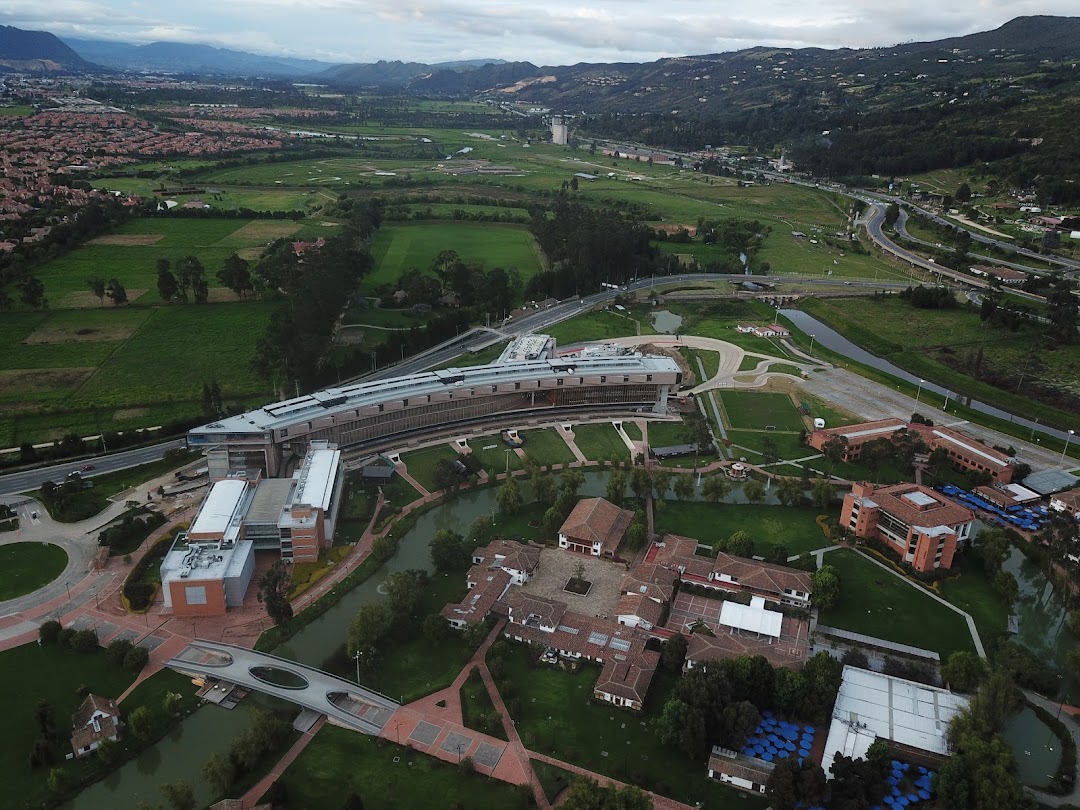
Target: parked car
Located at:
point(87, 467)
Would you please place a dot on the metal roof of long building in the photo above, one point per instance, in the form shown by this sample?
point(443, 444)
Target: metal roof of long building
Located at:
point(331, 401)
point(220, 505)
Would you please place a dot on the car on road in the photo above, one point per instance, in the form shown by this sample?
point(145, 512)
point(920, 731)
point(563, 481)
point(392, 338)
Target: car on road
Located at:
point(87, 468)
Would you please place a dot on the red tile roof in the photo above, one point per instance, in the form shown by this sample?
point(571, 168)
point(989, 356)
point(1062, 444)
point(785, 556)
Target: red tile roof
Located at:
point(595, 520)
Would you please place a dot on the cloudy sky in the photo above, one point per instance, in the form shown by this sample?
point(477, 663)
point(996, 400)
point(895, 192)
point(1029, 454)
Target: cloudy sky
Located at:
point(547, 32)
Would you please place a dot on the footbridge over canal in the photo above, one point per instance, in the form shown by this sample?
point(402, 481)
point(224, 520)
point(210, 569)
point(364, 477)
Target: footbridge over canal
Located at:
point(343, 702)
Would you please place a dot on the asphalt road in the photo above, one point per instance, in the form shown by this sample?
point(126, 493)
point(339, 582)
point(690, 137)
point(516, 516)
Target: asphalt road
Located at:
point(32, 479)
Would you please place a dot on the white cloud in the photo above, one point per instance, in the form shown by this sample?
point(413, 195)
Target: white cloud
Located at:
point(552, 32)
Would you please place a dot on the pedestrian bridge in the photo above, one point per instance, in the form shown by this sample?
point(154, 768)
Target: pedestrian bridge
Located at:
point(342, 701)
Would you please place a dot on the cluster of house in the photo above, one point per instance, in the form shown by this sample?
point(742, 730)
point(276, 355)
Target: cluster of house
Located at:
point(771, 330)
point(498, 583)
point(35, 150)
point(1005, 275)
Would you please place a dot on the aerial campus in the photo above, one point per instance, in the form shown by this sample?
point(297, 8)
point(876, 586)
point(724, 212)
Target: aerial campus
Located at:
point(479, 435)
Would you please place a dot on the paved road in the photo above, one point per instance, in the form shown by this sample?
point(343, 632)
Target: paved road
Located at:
point(14, 483)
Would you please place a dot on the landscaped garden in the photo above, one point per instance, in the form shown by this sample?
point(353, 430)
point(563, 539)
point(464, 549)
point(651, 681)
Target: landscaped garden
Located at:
point(601, 442)
point(495, 455)
point(421, 463)
point(546, 447)
point(876, 603)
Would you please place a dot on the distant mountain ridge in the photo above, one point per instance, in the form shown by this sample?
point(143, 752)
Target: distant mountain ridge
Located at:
point(38, 52)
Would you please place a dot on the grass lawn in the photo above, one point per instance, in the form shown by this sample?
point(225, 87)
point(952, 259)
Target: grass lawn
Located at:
point(546, 447)
point(478, 358)
point(516, 527)
point(787, 444)
point(25, 567)
point(876, 603)
point(633, 430)
point(786, 368)
point(600, 442)
point(386, 776)
point(603, 325)
point(768, 525)
point(421, 463)
point(759, 411)
point(477, 710)
point(401, 246)
point(358, 505)
point(494, 458)
point(666, 434)
point(971, 591)
point(31, 674)
point(555, 715)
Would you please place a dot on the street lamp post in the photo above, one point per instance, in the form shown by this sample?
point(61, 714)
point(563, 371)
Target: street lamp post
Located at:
point(919, 393)
point(812, 344)
point(945, 407)
point(357, 659)
point(1033, 429)
point(1066, 450)
point(507, 460)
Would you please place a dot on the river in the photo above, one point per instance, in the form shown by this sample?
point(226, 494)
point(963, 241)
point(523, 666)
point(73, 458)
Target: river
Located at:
point(833, 340)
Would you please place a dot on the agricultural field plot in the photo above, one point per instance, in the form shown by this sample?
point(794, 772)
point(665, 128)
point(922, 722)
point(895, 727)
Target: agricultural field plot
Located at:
point(130, 254)
point(753, 410)
point(600, 442)
point(876, 603)
point(399, 247)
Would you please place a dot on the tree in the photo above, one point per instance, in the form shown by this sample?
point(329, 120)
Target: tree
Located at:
point(673, 653)
point(551, 522)
point(546, 488)
point(782, 786)
point(141, 723)
point(179, 795)
point(571, 481)
point(274, 586)
point(509, 497)
point(826, 584)
point(136, 659)
point(684, 487)
point(235, 275)
point(715, 488)
point(368, 627)
point(789, 491)
point(616, 486)
point(403, 592)
point(835, 450)
point(167, 286)
point(1006, 587)
point(1062, 306)
point(117, 650)
point(683, 726)
point(661, 481)
point(823, 495)
point(58, 781)
point(32, 293)
point(191, 279)
point(116, 292)
point(449, 551)
point(769, 450)
point(97, 287)
point(740, 544)
point(641, 482)
point(352, 802)
point(435, 629)
point(754, 491)
point(219, 772)
point(963, 193)
point(963, 671)
point(49, 632)
point(587, 794)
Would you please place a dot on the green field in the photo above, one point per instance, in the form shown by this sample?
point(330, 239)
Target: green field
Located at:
point(130, 253)
point(495, 460)
point(50, 673)
point(972, 592)
point(750, 443)
point(600, 442)
point(25, 567)
point(386, 777)
point(767, 525)
point(546, 447)
point(116, 370)
point(399, 247)
point(666, 434)
point(603, 325)
point(760, 411)
point(876, 603)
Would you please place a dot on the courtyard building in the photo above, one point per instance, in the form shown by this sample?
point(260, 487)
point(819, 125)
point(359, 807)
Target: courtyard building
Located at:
point(97, 719)
point(595, 527)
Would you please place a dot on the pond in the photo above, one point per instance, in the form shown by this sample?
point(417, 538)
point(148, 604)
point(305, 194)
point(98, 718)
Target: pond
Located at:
point(1036, 748)
point(666, 322)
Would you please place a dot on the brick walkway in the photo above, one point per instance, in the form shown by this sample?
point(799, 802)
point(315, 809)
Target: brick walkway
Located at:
point(251, 798)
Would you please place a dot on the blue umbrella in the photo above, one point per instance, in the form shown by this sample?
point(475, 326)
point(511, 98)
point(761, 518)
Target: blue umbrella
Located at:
point(895, 791)
point(803, 752)
point(808, 729)
point(924, 794)
point(767, 713)
point(767, 757)
point(894, 779)
point(752, 740)
point(790, 746)
point(749, 751)
point(889, 800)
point(901, 802)
point(773, 738)
point(782, 754)
point(760, 749)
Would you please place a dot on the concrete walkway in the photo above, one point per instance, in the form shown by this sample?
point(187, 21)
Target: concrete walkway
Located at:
point(568, 437)
point(967, 616)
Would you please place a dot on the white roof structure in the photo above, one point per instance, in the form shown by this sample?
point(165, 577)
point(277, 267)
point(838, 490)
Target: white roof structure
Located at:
point(1021, 494)
point(315, 485)
point(753, 617)
point(872, 705)
point(216, 513)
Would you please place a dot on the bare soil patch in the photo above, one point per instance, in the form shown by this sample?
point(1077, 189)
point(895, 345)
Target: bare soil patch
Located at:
point(87, 300)
point(251, 254)
point(42, 380)
point(85, 334)
point(128, 239)
point(261, 230)
point(129, 413)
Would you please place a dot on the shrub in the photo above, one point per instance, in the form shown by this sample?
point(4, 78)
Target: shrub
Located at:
point(64, 636)
point(139, 594)
point(117, 650)
point(49, 632)
point(84, 641)
point(136, 659)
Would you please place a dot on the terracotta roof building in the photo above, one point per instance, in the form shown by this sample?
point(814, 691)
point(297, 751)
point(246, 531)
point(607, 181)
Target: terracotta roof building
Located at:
point(520, 560)
point(625, 679)
point(1067, 502)
point(595, 527)
point(738, 770)
point(638, 610)
point(919, 524)
point(486, 587)
point(95, 720)
point(654, 581)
